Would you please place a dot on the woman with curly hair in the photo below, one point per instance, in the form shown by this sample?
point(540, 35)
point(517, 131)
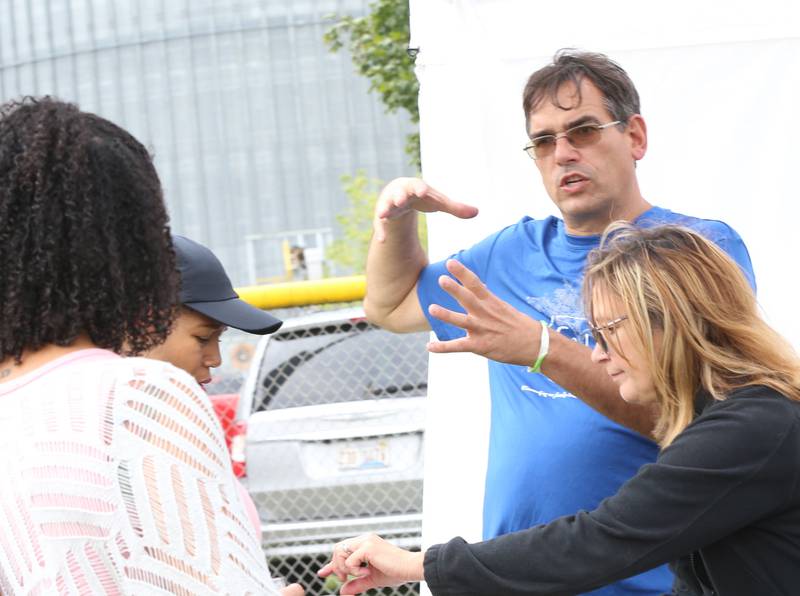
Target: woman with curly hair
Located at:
point(115, 475)
point(677, 328)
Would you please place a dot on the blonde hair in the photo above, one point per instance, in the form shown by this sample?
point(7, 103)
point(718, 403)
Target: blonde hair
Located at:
point(672, 279)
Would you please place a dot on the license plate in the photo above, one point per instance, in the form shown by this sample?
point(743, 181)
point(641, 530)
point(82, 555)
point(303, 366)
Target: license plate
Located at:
point(368, 456)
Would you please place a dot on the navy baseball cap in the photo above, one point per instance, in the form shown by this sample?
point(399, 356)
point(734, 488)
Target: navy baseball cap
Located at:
point(206, 288)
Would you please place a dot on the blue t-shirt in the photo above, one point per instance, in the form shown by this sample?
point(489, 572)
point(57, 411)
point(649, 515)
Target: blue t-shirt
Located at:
point(549, 453)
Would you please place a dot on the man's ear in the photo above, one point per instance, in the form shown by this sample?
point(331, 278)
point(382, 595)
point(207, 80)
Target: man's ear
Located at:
point(637, 133)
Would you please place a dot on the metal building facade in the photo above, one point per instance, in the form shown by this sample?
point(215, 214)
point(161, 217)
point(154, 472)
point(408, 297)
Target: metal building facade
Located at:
point(251, 119)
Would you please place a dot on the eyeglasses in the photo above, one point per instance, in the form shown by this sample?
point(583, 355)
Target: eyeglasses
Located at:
point(597, 332)
point(579, 136)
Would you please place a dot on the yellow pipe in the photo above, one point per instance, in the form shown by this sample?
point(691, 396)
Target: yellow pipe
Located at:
point(302, 293)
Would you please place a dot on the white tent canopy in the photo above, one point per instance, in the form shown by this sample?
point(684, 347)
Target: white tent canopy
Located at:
point(720, 88)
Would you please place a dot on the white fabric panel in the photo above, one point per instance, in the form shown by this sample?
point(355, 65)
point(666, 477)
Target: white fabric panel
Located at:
point(719, 85)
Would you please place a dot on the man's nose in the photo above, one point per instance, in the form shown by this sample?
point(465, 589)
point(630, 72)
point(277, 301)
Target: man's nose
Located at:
point(564, 152)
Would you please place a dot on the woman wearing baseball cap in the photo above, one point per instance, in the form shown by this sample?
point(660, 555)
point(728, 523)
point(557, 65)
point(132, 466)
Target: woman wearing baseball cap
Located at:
point(209, 305)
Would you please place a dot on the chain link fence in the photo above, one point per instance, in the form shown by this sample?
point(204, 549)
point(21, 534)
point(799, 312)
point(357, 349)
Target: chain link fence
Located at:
point(335, 413)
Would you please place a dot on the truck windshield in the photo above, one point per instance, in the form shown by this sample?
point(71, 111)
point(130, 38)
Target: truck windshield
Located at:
point(339, 363)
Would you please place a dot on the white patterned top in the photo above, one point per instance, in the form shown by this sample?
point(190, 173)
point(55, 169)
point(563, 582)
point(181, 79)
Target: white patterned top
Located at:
point(115, 479)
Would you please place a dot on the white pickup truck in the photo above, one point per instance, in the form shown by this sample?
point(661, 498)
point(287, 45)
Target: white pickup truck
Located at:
point(335, 413)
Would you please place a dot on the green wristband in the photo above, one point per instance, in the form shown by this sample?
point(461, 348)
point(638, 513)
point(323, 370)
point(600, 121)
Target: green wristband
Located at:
point(544, 346)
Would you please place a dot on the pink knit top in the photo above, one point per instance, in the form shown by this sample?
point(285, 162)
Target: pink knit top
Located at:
point(115, 479)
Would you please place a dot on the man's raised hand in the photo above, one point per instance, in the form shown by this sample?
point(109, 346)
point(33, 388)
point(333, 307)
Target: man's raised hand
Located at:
point(404, 195)
point(495, 329)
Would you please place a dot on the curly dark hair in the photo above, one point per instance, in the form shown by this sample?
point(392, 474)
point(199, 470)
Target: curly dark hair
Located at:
point(84, 238)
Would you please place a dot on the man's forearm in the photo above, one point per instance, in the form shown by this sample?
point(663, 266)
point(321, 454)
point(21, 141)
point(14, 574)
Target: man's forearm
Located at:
point(393, 267)
point(569, 364)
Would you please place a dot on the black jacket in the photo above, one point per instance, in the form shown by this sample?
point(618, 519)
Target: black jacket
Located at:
point(722, 503)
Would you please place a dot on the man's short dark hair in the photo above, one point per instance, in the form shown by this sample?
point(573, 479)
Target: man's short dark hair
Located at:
point(84, 241)
point(571, 66)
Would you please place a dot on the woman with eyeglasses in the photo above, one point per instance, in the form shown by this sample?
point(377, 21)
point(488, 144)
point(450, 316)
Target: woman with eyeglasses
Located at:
point(677, 327)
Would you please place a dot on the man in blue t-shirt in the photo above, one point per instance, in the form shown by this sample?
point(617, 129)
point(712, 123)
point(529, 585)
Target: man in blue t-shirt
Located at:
point(561, 439)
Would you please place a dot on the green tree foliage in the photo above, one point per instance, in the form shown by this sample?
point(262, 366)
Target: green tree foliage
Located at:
point(349, 251)
point(378, 44)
